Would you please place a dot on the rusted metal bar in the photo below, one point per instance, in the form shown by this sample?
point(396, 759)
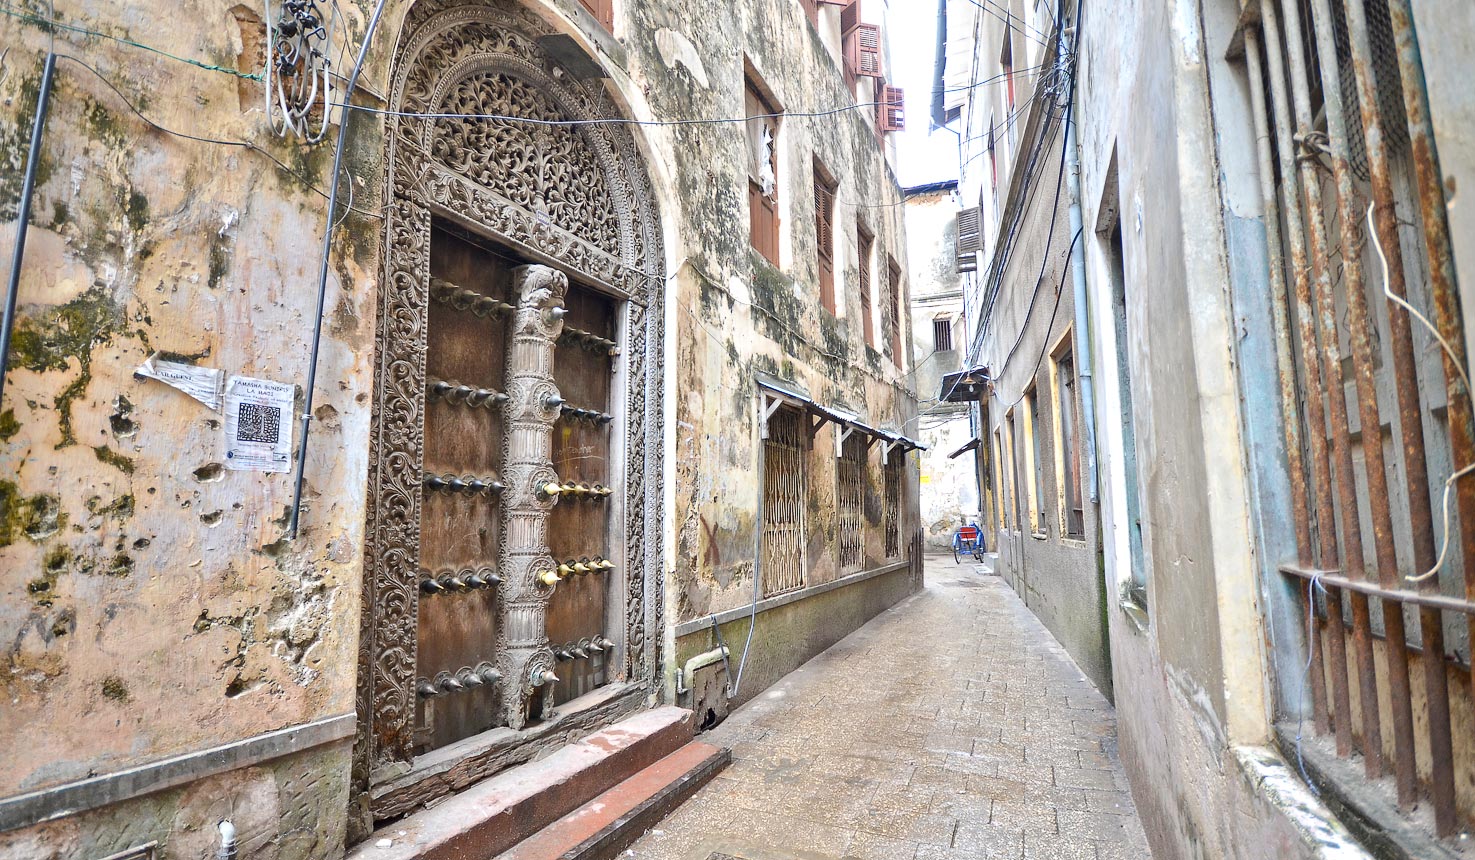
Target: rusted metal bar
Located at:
point(1323, 319)
point(1280, 316)
point(1422, 599)
point(1447, 318)
point(1410, 423)
point(1319, 463)
point(1363, 347)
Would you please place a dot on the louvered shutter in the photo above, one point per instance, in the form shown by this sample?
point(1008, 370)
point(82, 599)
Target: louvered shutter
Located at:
point(824, 214)
point(970, 239)
point(850, 17)
point(892, 115)
point(824, 228)
point(863, 51)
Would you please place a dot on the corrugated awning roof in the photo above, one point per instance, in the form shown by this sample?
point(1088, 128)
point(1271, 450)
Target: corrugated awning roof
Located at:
point(969, 446)
point(792, 393)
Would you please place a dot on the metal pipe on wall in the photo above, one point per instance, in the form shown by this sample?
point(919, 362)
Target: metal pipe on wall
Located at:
point(1082, 310)
point(22, 221)
point(317, 330)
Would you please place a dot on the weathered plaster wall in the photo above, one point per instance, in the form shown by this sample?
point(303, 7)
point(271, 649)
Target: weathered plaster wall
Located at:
point(735, 314)
point(149, 601)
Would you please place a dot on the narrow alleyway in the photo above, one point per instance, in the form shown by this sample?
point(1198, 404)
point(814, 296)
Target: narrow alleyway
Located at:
point(951, 726)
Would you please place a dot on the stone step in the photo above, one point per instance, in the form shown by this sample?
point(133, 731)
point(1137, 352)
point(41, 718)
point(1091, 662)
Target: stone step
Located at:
point(603, 827)
point(497, 813)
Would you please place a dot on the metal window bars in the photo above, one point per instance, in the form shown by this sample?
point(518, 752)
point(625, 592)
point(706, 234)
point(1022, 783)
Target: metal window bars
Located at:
point(891, 473)
point(1334, 160)
point(785, 485)
point(850, 482)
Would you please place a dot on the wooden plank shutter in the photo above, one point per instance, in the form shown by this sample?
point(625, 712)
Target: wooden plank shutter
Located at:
point(602, 10)
point(894, 272)
point(970, 239)
point(865, 286)
point(892, 113)
point(863, 51)
point(824, 229)
point(849, 17)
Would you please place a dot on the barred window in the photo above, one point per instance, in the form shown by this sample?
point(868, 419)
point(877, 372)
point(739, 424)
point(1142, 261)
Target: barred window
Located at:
point(785, 489)
point(891, 517)
point(850, 492)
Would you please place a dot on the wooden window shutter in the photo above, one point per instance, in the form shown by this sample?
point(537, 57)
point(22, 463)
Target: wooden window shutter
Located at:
point(892, 114)
point(824, 217)
point(863, 51)
point(602, 10)
point(849, 17)
point(864, 242)
point(824, 229)
point(970, 239)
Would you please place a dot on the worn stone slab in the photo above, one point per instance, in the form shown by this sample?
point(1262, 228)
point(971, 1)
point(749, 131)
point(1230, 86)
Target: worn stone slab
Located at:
point(941, 730)
point(497, 813)
point(602, 827)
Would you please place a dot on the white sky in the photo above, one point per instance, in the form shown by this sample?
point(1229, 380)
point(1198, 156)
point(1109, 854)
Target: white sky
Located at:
point(921, 157)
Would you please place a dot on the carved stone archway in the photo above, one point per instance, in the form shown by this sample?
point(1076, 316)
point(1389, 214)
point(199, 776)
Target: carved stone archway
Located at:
point(574, 197)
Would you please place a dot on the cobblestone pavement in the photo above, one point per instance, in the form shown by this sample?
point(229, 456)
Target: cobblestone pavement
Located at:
point(951, 726)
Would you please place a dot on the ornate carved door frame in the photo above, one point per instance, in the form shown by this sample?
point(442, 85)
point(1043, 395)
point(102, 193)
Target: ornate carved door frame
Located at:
point(576, 198)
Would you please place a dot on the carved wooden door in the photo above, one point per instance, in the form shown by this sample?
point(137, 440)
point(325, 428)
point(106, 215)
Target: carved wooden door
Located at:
point(460, 520)
point(488, 361)
point(580, 533)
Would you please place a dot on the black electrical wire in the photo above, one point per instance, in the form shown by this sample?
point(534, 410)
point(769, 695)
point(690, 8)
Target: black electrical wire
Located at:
point(317, 329)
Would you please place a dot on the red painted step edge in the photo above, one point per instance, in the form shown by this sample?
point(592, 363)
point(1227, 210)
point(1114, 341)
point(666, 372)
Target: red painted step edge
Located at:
point(581, 832)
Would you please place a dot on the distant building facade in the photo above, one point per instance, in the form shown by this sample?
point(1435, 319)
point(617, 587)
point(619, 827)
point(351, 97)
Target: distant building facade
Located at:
point(949, 493)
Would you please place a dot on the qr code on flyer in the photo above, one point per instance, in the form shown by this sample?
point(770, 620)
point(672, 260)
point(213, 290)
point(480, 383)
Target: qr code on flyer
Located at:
point(258, 423)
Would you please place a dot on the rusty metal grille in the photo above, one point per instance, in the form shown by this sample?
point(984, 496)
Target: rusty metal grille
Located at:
point(785, 486)
point(891, 502)
point(1385, 72)
point(1342, 122)
point(850, 491)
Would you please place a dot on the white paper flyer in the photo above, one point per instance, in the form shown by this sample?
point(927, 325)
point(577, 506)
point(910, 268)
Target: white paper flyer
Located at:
point(258, 425)
point(202, 383)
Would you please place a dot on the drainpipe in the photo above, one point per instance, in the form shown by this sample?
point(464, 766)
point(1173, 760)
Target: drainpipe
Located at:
point(22, 220)
point(1078, 281)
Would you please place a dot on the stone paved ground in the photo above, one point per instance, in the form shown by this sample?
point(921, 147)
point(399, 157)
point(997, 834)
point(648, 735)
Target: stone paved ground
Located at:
point(952, 726)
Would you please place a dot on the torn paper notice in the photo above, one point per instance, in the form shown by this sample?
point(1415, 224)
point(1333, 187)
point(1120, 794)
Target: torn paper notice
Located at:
point(204, 384)
point(258, 425)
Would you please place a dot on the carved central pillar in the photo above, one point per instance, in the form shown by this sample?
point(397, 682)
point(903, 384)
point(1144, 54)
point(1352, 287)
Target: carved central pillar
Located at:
point(532, 407)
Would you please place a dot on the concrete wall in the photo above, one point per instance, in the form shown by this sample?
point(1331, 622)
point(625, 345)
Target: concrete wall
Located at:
point(153, 607)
